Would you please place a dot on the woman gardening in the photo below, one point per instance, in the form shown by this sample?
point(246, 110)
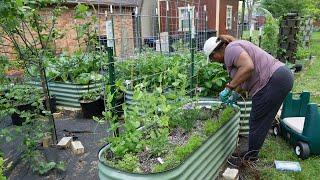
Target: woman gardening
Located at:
point(267, 80)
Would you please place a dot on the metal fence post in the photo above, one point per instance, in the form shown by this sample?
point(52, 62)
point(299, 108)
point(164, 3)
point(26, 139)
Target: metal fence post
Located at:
point(206, 23)
point(191, 46)
point(111, 74)
point(242, 18)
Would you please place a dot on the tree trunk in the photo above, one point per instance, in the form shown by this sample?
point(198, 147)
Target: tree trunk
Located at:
point(250, 6)
point(250, 17)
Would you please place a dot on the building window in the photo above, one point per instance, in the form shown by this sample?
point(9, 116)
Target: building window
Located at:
point(229, 18)
point(184, 18)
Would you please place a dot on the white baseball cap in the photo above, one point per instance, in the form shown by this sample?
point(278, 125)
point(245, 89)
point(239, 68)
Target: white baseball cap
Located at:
point(210, 45)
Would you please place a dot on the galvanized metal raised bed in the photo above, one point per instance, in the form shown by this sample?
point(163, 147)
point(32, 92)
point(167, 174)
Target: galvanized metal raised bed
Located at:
point(203, 163)
point(245, 109)
point(68, 94)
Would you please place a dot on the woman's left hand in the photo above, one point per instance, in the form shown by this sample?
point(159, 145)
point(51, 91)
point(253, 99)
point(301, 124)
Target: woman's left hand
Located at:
point(225, 94)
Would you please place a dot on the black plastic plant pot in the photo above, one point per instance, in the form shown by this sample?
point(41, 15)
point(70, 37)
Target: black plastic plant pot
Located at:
point(92, 108)
point(15, 117)
point(298, 68)
point(53, 104)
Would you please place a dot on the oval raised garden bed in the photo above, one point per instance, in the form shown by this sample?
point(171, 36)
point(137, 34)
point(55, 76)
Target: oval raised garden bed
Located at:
point(245, 110)
point(68, 94)
point(203, 163)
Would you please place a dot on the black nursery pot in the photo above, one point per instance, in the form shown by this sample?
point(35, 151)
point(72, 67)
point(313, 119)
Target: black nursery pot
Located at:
point(93, 108)
point(53, 104)
point(298, 68)
point(15, 117)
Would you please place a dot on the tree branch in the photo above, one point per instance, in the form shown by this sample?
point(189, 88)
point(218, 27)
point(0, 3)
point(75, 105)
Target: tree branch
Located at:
point(38, 30)
point(27, 43)
point(27, 27)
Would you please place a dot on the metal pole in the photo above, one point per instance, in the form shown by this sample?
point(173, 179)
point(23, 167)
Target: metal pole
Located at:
point(260, 38)
point(54, 130)
point(206, 22)
point(137, 30)
point(191, 38)
point(114, 38)
point(159, 24)
point(195, 29)
point(111, 74)
point(242, 18)
point(167, 24)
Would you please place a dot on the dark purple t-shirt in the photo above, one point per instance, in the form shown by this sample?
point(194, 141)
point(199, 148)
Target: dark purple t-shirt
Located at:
point(264, 64)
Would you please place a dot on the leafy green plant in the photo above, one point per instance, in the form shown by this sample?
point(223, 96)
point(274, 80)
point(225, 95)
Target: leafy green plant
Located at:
point(157, 140)
point(3, 67)
point(86, 31)
point(85, 67)
point(152, 111)
point(2, 177)
point(90, 95)
point(38, 163)
point(185, 119)
point(154, 69)
point(33, 129)
point(31, 40)
point(270, 36)
point(24, 94)
point(212, 78)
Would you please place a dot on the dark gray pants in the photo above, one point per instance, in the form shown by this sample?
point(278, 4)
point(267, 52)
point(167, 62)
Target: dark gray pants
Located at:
point(265, 105)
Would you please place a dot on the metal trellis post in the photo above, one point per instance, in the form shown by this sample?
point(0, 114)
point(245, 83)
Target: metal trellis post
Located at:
point(206, 22)
point(242, 17)
point(191, 39)
point(111, 74)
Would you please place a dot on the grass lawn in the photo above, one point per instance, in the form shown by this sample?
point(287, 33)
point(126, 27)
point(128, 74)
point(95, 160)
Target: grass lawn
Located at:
point(309, 79)
point(277, 148)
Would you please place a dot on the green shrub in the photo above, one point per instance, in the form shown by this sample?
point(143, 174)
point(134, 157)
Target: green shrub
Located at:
point(270, 36)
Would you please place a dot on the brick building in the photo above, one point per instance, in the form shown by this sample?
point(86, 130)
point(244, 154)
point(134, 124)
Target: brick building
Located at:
point(123, 24)
point(169, 20)
point(122, 17)
point(222, 15)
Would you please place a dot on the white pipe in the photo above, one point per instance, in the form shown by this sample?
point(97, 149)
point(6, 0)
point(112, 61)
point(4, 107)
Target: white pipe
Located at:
point(167, 3)
point(217, 16)
point(111, 9)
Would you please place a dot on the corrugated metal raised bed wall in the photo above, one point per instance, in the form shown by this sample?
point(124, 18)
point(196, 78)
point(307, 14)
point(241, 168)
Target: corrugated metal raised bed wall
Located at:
point(245, 109)
point(68, 94)
point(204, 163)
